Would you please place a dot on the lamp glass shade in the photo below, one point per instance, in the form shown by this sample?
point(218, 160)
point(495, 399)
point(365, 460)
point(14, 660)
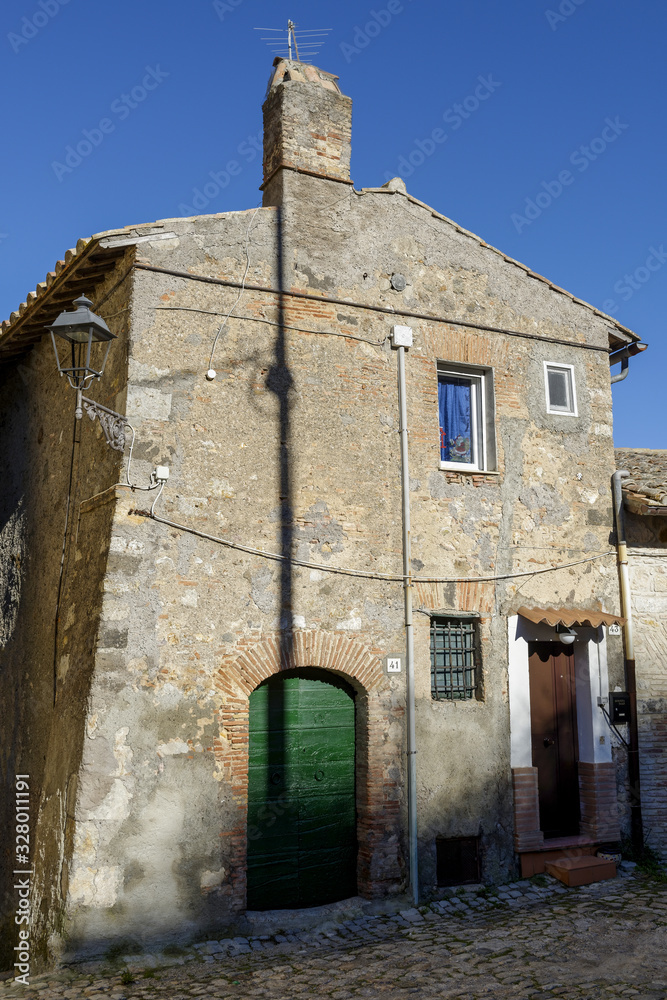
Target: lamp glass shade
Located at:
point(81, 326)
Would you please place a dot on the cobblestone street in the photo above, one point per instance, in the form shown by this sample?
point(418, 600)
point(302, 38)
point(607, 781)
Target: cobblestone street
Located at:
point(531, 939)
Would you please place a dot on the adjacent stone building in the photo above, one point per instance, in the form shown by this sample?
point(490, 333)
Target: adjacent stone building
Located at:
point(645, 508)
point(202, 677)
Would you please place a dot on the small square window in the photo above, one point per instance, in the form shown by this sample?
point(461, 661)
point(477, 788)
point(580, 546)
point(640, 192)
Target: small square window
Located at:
point(465, 408)
point(454, 659)
point(559, 385)
point(457, 860)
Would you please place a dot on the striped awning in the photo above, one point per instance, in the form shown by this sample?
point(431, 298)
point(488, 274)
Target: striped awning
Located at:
point(570, 617)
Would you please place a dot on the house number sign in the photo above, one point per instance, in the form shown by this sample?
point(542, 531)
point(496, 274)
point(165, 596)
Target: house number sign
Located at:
point(393, 664)
point(614, 629)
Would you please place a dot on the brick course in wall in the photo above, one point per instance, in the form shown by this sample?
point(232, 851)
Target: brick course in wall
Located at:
point(527, 833)
point(598, 801)
point(653, 770)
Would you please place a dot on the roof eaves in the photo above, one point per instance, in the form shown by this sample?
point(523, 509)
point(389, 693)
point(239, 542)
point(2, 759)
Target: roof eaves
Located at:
point(635, 505)
point(16, 335)
point(510, 260)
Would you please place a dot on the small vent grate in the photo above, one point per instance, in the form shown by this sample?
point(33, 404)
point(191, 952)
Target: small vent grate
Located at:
point(457, 860)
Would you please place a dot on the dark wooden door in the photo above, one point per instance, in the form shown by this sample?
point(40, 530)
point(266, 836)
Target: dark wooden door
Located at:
point(301, 793)
point(553, 723)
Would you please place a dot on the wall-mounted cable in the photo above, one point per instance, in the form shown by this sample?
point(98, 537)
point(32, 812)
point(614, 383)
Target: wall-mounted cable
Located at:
point(361, 574)
point(211, 373)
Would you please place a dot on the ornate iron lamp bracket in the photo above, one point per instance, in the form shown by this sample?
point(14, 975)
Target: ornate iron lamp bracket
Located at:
point(113, 424)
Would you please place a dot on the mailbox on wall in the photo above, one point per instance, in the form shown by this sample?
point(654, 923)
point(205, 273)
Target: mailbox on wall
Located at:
point(619, 707)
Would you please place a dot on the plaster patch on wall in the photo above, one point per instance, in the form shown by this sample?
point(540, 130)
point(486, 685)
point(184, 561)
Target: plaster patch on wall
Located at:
point(260, 581)
point(168, 696)
point(12, 555)
point(221, 488)
point(545, 503)
point(138, 372)
point(318, 532)
point(591, 542)
point(131, 546)
point(189, 598)
point(114, 611)
point(122, 752)
point(387, 615)
point(115, 807)
point(144, 403)
point(191, 505)
point(172, 748)
point(86, 842)
point(211, 880)
point(95, 887)
point(352, 624)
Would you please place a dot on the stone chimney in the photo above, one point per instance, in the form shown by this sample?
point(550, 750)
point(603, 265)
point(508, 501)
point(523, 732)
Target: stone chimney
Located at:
point(307, 128)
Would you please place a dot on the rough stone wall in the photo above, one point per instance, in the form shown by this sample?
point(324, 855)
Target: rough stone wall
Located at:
point(647, 540)
point(51, 463)
point(307, 124)
point(293, 448)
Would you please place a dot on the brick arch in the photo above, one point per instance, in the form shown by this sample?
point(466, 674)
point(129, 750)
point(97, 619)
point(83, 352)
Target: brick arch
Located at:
point(328, 650)
point(379, 869)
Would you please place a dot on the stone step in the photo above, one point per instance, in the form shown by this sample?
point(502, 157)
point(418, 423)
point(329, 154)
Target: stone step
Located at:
point(581, 871)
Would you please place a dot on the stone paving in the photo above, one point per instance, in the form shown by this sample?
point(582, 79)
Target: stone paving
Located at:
point(529, 940)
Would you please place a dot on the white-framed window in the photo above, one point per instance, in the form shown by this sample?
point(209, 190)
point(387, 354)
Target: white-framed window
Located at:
point(560, 389)
point(465, 409)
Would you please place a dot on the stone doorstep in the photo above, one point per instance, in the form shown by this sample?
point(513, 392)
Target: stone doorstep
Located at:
point(533, 861)
point(581, 871)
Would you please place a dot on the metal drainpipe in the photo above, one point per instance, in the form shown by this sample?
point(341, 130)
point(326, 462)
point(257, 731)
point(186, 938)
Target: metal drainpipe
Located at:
point(630, 677)
point(624, 372)
point(409, 639)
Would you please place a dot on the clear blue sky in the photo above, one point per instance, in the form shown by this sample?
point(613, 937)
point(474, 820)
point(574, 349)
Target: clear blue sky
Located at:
point(556, 73)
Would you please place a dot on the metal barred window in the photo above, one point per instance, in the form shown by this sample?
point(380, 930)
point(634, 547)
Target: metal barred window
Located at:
point(454, 658)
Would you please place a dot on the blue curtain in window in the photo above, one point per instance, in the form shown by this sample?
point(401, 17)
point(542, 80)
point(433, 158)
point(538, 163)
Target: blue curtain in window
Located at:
point(455, 420)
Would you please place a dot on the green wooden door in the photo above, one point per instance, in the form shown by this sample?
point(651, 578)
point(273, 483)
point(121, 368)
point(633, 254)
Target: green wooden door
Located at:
point(302, 847)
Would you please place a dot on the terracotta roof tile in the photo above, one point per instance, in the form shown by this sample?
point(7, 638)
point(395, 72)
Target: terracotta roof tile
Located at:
point(647, 485)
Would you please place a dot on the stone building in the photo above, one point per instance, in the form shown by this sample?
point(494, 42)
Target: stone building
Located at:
point(198, 676)
point(645, 507)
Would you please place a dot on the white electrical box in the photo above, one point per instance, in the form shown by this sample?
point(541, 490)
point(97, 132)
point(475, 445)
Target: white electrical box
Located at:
point(402, 336)
point(162, 473)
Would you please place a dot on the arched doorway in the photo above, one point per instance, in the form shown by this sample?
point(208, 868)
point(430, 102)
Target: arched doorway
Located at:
point(302, 842)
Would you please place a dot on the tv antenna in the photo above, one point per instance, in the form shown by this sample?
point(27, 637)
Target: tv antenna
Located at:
point(311, 41)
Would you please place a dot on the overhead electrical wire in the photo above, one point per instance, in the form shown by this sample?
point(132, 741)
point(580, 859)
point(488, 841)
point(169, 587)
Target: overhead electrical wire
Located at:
point(385, 310)
point(210, 374)
point(283, 326)
point(363, 574)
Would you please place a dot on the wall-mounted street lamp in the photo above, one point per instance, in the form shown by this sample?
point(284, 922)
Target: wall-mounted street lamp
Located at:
point(81, 329)
point(566, 635)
